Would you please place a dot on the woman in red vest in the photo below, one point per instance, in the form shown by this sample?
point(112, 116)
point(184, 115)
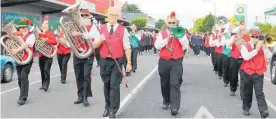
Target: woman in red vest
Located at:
point(63, 55)
point(45, 63)
point(212, 43)
point(170, 64)
point(207, 46)
point(116, 38)
point(252, 73)
point(83, 67)
point(23, 71)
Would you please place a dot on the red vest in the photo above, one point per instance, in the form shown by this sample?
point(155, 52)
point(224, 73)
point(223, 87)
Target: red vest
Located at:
point(235, 53)
point(207, 42)
point(25, 56)
point(177, 50)
point(255, 65)
point(213, 38)
point(61, 49)
point(114, 42)
point(51, 40)
point(220, 48)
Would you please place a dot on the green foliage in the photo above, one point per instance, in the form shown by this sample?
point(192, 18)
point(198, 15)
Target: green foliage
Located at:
point(140, 22)
point(159, 23)
point(273, 30)
point(192, 30)
point(208, 23)
point(164, 26)
point(265, 28)
point(198, 24)
point(131, 8)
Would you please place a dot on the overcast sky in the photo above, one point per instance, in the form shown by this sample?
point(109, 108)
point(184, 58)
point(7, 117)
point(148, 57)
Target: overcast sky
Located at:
point(187, 9)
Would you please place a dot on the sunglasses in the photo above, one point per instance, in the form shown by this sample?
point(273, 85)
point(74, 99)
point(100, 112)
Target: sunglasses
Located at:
point(255, 37)
point(85, 15)
point(21, 27)
point(171, 22)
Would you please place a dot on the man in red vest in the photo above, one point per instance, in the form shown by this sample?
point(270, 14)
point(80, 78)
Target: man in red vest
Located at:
point(236, 58)
point(170, 64)
point(252, 73)
point(23, 71)
point(63, 55)
point(113, 43)
point(45, 63)
point(212, 42)
point(83, 67)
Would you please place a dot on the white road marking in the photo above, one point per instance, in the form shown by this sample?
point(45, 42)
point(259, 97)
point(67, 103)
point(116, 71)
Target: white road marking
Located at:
point(138, 87)
point(271, 105)
point(6, 91)
point(203, 112)
point(267, 78)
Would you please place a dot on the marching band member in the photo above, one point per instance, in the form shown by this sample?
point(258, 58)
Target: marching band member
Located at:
point(252, 70)
point(83, 67)
point(45, 63)
point(236, 58)
point(218, 51)
point(23, 71)
point(112, 43)
point(212, 43)
point(207, 38)
point(134, 42)
point(226, 54)
point(63, 56)
point(170, 64)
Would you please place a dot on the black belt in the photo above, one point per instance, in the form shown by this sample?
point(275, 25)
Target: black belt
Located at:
point(109, 58)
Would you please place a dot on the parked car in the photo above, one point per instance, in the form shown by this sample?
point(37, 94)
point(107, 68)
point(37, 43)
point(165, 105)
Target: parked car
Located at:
point(7, 68)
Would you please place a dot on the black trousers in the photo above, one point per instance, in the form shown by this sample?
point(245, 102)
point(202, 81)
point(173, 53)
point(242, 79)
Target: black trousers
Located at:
point(225, 68)
point(62, 63)
point(111, 78)
point(134, 54)
point(213, 58)
point(97, 51)
point(197, 49)
point(23, 72)
point(45, 64)
point(154, 50)
point(234, 68)
point(171, 72)
point(255, 82)
point(219, 64)
point(83, 69)
point(207, 51)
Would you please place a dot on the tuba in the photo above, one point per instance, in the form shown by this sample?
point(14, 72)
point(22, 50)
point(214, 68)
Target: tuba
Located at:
point(11, 42)
point(269, 41)
point(71, 23)
point(63, 40)
point(46, 49)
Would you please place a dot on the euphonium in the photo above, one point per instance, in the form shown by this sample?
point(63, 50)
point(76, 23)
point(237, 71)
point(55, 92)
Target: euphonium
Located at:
point(42, 47)
point(269, 41)
point(11, 42)
point(63, 40)
point(71, 23)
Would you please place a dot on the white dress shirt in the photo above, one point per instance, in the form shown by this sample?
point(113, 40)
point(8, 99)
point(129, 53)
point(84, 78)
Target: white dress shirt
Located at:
point(249, 55)
point(213, 43)
point(126, 43)
point(93, 33)
point(30, 40)
point(160, 42)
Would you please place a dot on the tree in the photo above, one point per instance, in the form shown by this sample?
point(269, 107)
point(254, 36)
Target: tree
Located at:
point(164, 26)
point(198, 25)
point(273, 30)
point(131, 8)
point(159, 23)
point(140, 22)
point(265, 28)
point(208, 23)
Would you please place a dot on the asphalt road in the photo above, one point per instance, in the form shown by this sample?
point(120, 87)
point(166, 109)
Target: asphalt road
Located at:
point(202, 94)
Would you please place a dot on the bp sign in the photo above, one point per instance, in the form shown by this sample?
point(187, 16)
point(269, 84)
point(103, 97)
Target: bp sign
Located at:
point(240, 10)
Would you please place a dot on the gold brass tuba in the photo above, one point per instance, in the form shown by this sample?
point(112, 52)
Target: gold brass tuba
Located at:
point(71, 23)
point(46, 49)
point(62, 40)
point(269, 41)
point(11, 42)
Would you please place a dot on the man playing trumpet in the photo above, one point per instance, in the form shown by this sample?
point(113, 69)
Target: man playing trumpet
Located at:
point(170, 64)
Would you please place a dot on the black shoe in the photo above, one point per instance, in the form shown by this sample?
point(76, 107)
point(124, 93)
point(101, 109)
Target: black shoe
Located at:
point(225, 85)
point(220, 77)
point(232, 93)
point(127, 74)
point(78, 101)
point(41, 88)
point(85, 102)
point(216, 72)
point(174, 111)
point(133, 70)
point(45, 89)
point(246, 112)
point(106, 113)
point(62, 81)
point(112, 115)
point(264, 114)
point(20, 102)
point(165, 106)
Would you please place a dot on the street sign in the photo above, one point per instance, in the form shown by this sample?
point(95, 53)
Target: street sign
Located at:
point(240, 12)
point(203, 113)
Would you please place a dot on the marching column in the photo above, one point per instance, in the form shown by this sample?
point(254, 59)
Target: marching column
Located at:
point(23, 71)
point(63, 56)
point(45, 63)
point(253, 69)
point(116, 38)
point(170, 65)
point(83, 67)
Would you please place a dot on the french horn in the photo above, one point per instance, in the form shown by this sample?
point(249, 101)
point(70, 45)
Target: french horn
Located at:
point(11, 42)
point(71, 23)
point(42, 47)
